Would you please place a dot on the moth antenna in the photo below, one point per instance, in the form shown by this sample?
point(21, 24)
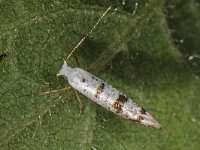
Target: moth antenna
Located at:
point(83, 39)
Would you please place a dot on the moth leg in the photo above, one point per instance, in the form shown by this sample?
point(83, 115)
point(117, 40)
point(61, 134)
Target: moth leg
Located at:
point(81, 106)
point(55, 91)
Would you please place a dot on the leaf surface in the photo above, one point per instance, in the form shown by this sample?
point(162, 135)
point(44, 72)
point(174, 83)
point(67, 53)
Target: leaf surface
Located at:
point(133, 48)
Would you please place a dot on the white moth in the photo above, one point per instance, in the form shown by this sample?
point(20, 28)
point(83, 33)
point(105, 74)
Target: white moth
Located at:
point(103, 93)
point(106, 96)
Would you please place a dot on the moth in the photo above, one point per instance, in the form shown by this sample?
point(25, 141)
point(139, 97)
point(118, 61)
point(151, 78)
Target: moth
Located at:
point(105, 95)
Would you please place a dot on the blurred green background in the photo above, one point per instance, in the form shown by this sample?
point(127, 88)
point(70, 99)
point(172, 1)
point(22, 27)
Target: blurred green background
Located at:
point(148, 49)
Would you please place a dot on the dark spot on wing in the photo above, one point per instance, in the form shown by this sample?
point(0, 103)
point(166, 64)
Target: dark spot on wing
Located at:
point(122, 99)
point(143, 111)
point(139, 118)
point(99, 89)
point(117, 106)
point(83, 79)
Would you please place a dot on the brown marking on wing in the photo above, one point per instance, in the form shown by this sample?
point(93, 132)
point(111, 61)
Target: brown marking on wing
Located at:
point(117, 105)
point(122, 99)
point(138, 119)
point(99, 89)
point(143, 111)
point(82, 79)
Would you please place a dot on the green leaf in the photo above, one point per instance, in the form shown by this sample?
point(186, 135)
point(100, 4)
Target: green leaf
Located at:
point(134, 48)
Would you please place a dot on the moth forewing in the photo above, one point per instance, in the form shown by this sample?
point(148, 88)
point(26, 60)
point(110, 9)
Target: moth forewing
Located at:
point(105, 95)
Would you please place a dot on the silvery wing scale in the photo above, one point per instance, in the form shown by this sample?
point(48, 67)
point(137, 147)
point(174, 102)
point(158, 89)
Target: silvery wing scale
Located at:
point(106, 96)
